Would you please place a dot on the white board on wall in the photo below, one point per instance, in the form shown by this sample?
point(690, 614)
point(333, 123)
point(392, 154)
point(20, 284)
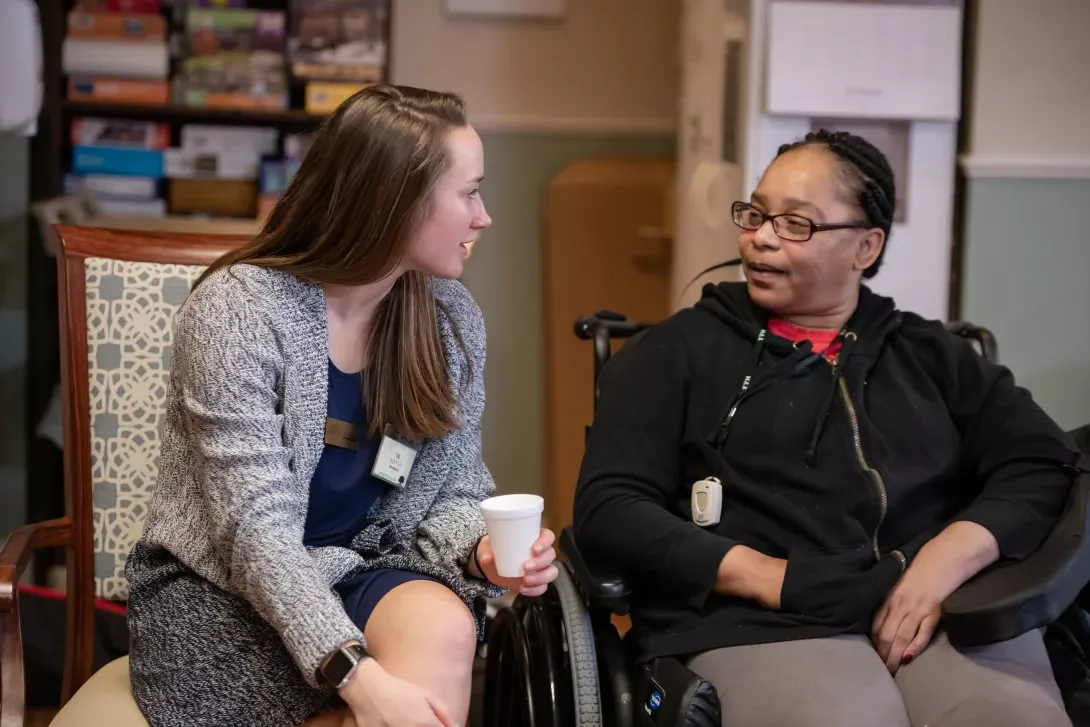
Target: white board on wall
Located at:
point(903, 61)
point(507, 8)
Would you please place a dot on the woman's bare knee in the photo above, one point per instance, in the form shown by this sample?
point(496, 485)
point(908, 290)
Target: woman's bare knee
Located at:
point(422, 632)
point(422, 620)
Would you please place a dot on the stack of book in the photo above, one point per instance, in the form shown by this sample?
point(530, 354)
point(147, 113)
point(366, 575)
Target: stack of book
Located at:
point(215, 169)
point(337, 47)
point(234, 58)
point(119, 163)
point(115, 51)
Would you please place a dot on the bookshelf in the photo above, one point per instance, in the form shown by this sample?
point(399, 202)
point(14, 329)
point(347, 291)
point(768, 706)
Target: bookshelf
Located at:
point(289, 118)
point(51, 152)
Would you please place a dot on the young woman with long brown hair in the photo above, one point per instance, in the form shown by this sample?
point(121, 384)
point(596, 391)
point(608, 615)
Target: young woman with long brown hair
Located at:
point(315, 529)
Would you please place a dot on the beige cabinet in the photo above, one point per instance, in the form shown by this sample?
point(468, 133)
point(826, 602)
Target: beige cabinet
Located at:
point(607, 245)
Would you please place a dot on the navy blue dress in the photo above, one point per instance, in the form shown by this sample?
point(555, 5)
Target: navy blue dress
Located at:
point(343, 493)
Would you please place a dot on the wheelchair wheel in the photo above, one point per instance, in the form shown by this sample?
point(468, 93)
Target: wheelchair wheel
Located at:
point(527, 675)
point(540, 668)
point(579, 635)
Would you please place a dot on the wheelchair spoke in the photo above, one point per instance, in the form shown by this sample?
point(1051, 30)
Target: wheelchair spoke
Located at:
point(550, 673)
point(509, 698)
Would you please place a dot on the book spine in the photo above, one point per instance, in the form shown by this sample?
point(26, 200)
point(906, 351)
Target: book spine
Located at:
point(118, 90)
point(112, 186)
point(134, 7)
point(120, 132)
point(133, 208)
point(116, 26)
point(141, 59)
point(117, 160)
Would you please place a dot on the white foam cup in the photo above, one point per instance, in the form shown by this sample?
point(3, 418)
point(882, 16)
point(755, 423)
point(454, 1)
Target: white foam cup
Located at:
point(514, 524)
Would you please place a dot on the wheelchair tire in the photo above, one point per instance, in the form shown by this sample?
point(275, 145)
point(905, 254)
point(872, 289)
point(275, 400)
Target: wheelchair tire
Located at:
point(580, 640)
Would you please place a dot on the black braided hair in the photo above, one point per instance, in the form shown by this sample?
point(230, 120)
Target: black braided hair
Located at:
point(867, 176)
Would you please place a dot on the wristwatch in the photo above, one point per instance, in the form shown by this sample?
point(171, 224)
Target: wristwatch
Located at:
point(337, 668)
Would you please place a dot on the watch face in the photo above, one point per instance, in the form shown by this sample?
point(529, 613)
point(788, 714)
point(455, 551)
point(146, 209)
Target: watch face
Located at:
point(338, 667)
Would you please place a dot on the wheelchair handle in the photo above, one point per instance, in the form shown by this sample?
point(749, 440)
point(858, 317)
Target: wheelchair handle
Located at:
point(983, 337)
point(600, 328)
point(615, 324)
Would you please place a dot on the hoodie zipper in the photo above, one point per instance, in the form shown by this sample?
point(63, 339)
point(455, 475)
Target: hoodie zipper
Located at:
point(878, 482)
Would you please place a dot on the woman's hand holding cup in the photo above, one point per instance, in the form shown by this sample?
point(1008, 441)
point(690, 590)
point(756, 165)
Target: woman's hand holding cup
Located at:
point(517, 554)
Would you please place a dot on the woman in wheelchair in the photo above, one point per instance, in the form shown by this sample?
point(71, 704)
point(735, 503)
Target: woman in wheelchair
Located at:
point(869, 463)
point(314, 532)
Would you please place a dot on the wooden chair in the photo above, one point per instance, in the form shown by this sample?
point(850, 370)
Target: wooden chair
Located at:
point(118, 292)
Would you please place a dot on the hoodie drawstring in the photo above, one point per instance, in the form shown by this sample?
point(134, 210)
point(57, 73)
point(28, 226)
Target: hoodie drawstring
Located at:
point(847, 338)
point(800, 359)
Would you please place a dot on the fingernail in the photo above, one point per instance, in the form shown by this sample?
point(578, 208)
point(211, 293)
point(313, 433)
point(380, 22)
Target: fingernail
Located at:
point(908, 657)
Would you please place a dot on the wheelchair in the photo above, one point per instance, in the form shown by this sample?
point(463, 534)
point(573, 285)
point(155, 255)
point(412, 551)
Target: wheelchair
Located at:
point(558, 660)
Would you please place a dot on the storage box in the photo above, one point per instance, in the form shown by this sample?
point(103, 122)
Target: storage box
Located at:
point(223, 197)
point(324, 98)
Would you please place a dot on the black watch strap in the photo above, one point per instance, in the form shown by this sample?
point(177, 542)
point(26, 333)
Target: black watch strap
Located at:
point(477, 560)
point(337, 668)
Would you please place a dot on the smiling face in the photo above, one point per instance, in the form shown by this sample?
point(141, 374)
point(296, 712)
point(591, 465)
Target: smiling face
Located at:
point(456, 213)
point(819, 275)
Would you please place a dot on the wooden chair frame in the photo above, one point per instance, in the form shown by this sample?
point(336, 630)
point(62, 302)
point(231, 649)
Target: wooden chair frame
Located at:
point(74, 531)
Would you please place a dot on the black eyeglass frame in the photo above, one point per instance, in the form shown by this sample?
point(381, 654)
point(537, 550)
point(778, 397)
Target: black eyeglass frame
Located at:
point(737, 207)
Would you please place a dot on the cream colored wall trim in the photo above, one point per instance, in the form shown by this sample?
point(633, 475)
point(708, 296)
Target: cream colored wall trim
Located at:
point(525, 124)
point(1025, 167)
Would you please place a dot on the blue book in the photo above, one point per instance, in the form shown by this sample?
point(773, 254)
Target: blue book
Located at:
point(117, 160)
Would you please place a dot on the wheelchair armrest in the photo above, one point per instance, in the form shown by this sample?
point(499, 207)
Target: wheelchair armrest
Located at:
point(1010, 599)
point(599, 587)
point(979, 335)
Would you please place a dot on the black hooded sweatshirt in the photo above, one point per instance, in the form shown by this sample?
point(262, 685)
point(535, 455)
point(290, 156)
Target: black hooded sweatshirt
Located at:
point(844, 469)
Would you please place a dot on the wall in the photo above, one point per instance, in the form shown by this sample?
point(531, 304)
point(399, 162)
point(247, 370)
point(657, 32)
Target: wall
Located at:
point(1028, 255)
point(1027, 244)
point(13, 207)
point(602, 82)
point(1031, 94)
point(609, 65)
point(505, 277)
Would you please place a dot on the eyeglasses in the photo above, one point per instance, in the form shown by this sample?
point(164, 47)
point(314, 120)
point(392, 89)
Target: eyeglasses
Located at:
point(788, 226)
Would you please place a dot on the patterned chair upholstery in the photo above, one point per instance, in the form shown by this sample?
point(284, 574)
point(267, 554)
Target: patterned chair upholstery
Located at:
point(119, 292)
point(130, 306)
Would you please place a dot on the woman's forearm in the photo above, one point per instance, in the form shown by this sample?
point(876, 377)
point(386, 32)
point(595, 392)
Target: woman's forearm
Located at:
point(960, 551)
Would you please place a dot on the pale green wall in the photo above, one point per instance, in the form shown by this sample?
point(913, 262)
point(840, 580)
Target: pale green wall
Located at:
point(504, 276)
point(1027, 277)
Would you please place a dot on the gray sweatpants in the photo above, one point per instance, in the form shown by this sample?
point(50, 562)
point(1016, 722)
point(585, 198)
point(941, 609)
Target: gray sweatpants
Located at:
point(842, 681)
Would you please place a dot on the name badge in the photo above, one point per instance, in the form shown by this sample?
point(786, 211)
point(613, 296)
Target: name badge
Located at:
point(339, 433)
point(394, 459)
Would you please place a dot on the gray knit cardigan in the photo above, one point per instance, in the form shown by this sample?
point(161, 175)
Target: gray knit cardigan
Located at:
point(243, 433)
